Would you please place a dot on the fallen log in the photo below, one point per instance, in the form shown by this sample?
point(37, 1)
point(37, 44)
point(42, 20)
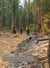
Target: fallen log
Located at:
point(44, 39)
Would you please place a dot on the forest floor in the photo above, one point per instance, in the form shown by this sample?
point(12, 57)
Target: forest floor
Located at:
point(8, 44)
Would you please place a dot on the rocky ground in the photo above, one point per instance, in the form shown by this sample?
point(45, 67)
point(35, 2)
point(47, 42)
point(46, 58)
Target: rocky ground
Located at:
point(13, 49)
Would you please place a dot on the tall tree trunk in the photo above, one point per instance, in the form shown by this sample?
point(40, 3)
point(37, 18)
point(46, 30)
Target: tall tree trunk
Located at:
point(3, 23)
point(14, 18)
point(38, 16)
point(49, 52)
point(25, 5)
point(1, 16)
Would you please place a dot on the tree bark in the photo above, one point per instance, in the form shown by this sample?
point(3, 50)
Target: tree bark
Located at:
point(38, 16)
